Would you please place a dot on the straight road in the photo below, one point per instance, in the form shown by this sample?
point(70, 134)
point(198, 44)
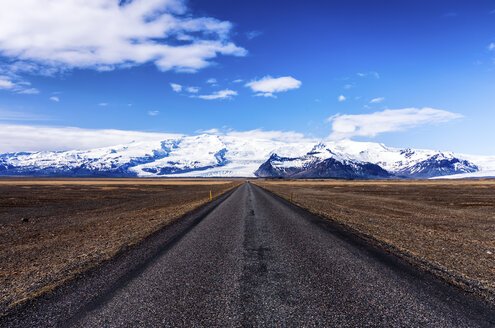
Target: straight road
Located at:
point(255, 260)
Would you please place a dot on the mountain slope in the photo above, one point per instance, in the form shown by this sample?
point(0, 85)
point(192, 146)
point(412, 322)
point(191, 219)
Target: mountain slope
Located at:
point(210, 155)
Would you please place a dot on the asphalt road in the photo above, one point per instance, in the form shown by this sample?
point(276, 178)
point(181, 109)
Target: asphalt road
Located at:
point(252, 259)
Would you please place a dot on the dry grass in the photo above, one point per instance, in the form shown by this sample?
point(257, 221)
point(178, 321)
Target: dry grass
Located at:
point(446, 225)
point(74, 224)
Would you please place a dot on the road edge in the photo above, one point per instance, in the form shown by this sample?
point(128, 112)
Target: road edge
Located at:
point(470, 286)
point(124, 262)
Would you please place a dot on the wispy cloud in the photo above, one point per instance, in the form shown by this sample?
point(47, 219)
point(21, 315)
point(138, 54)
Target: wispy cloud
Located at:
point(341, 98)
point(153, 112)
point(55, 99)
point(192, 89)
point(284, 136)
point(103, 104)
point(253, 34)
point(211, 81)
point(238, 81)
point(377, 100)
point(105, 35)
point(12, 83)
point(370, 125)
point(268, 85)
point(176, 87)
point(222, 94)
point(30, 91)
point(374, 74)
point(6, 115)
point(491, 46)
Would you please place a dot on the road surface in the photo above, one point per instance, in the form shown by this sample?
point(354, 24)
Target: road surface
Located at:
point(252, 259)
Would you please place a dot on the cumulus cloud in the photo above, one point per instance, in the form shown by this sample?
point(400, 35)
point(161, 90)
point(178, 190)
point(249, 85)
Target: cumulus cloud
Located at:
point(55, 99)
point(107, 34)
point(341, 98)
point(268, 85)
point(176, 87)
point(370, 125)
point(222, 94)
point(40, 138)
point(153, 112)
point(377, 100)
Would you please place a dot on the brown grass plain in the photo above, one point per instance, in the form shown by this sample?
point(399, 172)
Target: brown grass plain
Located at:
point(52, 229)
point(444, 226)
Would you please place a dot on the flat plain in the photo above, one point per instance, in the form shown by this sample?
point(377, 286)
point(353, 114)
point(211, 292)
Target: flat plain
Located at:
point(445, 226)
point(53, 229)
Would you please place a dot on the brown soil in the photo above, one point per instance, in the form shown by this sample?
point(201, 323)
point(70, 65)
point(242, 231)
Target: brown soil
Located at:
point(447, 227)
point(52, 229)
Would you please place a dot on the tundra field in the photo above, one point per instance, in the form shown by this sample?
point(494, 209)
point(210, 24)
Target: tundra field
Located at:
point(446, 227)
point(52, 229)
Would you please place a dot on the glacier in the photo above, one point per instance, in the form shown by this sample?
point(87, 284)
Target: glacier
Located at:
point(214, 155)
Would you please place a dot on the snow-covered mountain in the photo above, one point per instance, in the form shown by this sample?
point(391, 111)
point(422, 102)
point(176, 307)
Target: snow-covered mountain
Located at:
point(210, 155)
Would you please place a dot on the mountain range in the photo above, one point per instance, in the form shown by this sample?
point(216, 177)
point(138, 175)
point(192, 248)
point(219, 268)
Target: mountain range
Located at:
point(209, 155)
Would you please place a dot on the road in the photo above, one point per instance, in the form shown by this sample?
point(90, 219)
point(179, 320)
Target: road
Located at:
point(255, 260)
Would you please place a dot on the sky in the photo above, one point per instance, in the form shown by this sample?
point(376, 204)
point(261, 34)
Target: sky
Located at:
point(417, 73)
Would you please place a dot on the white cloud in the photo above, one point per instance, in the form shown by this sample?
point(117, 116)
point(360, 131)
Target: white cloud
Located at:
point(341, 98)
point(491, 46)
point(285, 136)
point(39, 138)
point(107, 34)
point(238, 81)
point(56, 99)
point(45, 138)
point(369, 74)
point(12, 83)
point(6, 83)
point(370, 125)
point(348, 86)
point(176, 87)
point(192, 89)
point(103, 104)
point(266, 95)
point(377, 100)
point(153, 112)
point(30, 91)
point(268, 85)
point(222, 94)
point(211, 81)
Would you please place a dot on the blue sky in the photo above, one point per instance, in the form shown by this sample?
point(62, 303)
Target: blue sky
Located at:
point(405, 73)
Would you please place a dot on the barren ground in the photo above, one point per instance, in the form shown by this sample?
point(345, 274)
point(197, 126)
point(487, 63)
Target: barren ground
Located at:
point(447, 227)
point(51, 229)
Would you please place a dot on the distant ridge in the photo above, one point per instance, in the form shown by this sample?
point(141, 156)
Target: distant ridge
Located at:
point(210, 155)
